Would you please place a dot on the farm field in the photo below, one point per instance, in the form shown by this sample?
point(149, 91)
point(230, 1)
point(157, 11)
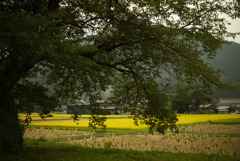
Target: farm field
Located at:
point(201, 137)
point(192, 139)
point(36, 117)
point(41, 150)
point(124, 122)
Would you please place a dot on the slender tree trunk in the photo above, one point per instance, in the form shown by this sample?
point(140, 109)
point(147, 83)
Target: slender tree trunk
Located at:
point(11, 131)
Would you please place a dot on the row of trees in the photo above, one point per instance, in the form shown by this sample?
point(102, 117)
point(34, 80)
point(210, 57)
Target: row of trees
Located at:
point(83, 47)
point(182, 100)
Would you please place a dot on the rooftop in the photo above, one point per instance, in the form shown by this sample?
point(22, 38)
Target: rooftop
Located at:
point(227, 101)
point(206, 106)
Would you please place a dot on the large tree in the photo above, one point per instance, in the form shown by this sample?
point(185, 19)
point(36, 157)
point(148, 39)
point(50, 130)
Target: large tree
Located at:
point(83, 47)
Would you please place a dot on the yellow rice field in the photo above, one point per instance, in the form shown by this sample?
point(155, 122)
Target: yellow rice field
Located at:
point(36, 117)
point(111, 123)
point(189, 119)
point(127, 123)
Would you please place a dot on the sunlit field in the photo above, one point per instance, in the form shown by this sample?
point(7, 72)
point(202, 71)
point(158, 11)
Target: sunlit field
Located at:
point(36, 117)
point(201, 118)
point(123, 122)
point(204, 135)
point(205, 139)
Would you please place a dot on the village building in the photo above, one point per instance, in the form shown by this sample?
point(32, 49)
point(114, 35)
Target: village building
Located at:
point(203, 109)
point(109, 109)
point(207, 109)
point(229, 106)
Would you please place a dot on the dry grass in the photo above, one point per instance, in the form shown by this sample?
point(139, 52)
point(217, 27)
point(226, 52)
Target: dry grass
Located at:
point(211, 128)
point(196, 144)
point(35, 133)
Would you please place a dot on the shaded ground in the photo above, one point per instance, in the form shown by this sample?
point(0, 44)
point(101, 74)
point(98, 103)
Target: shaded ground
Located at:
point(37, 150)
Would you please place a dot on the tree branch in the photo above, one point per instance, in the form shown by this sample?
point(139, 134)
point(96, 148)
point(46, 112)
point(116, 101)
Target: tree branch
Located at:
point(197, 17)
point(82, 25)
point(109, 48)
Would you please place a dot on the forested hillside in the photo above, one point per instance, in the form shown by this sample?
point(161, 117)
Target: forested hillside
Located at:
point(228, 60)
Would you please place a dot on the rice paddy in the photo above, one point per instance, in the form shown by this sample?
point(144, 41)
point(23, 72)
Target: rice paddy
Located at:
point(36, 117)
point(124, 122)
point(184, 142)
point(194, 144)
point(197, 135)
point(34, 133)
point(211, 128)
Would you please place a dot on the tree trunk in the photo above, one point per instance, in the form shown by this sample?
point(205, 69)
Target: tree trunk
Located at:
point(11, 131)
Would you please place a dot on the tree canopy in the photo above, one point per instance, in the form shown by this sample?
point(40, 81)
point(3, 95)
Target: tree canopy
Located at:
point(181, 101)
point(83, 47)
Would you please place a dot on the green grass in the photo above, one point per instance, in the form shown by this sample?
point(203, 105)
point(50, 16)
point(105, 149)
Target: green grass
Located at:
point(226, 121)
point(113, 130)
point(41, 150)
point(99, 130)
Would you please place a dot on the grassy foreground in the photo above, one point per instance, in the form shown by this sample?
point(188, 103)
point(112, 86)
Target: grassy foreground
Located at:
point(41, 150)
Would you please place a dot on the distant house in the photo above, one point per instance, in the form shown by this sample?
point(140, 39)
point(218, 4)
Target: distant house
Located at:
point(229, 106)
point(207, 109)
point(79, 108)
point(203, 109)
point(109, 109)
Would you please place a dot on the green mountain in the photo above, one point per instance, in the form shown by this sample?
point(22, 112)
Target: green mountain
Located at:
point(228, 60)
